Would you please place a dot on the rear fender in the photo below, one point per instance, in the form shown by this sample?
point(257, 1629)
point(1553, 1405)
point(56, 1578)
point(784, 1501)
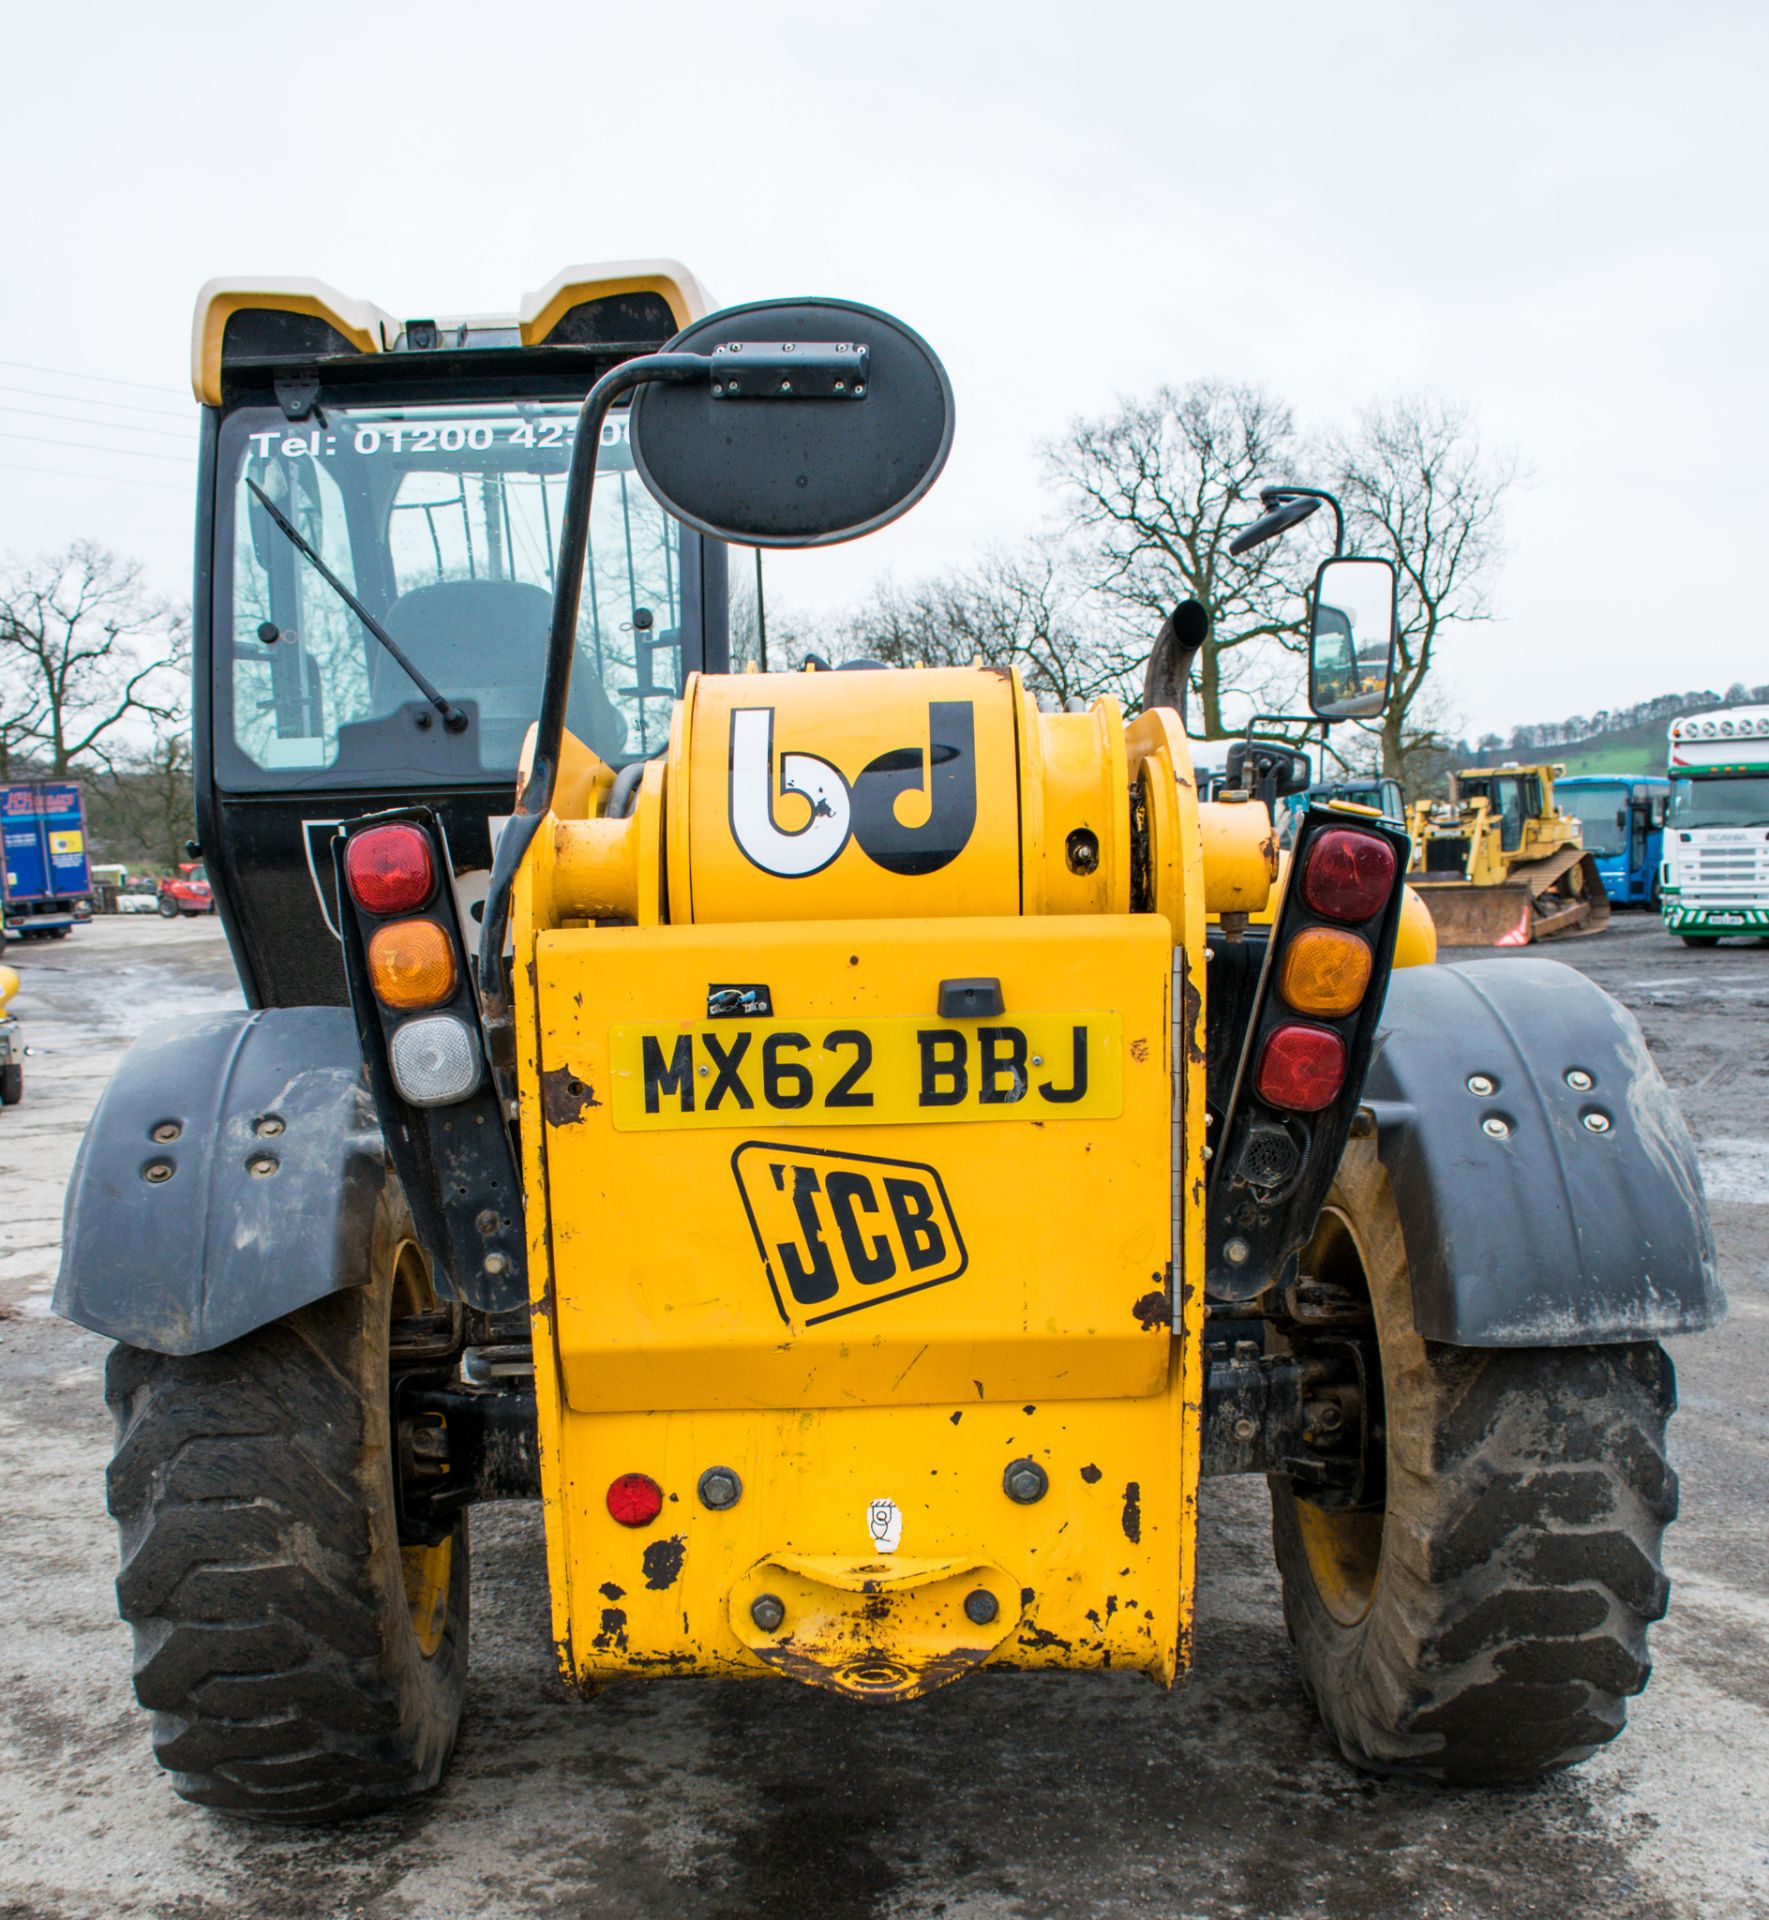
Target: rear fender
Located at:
point(1579, 1218)
point(187, 1260)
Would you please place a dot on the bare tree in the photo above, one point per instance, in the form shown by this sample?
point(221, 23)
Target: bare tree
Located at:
point(1012, 608)
point(1158, 489)
point(1421, 490)
point(143, 809)
point(87, 654)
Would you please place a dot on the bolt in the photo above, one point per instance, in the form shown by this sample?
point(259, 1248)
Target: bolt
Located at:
point(980, 1606)
point(1237, 1252)
point(157, 1171)
point(859, 388)
point(1597, 1122)
point(486, 1222)
point(167, 1130)
point(261, 1167)
point(1579, 1080)
point(268, 1127)
point(1495, 1127)
point(1482, 1084)
point(703, 1073)
point(1025, 1482)
point(1324, 1415)
point(1245, 1429)
point(1038, 1059)
point(720, 1488)
point(768, 1612)
point(786, 386)
point(497, 1263)
point(718, 389)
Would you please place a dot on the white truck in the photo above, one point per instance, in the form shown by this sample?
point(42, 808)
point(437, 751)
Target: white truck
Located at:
point(1716, 867)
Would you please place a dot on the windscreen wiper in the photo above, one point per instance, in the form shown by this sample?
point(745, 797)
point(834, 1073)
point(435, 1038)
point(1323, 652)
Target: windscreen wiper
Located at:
point(452, 717)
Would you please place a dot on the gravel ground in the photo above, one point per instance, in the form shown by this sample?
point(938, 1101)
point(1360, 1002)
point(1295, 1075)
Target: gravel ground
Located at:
point(1003, 1798)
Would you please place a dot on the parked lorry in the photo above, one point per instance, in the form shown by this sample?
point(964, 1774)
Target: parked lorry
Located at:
point(48, 875)
point(1622, 825)
point(1715, 880)
point(1500, 864)
point(861, 1150)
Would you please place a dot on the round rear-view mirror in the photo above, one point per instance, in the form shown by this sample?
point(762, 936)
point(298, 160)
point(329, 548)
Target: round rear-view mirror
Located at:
point(822, 421)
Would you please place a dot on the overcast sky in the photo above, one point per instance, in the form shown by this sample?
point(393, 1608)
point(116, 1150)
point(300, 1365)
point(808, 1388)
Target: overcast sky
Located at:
point(1554, 213)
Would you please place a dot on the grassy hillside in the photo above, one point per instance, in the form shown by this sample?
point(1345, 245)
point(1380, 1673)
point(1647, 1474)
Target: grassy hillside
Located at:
point(1639, 749)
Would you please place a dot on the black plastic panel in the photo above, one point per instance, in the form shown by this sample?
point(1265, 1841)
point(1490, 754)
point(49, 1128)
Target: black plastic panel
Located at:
point(1583, 1221)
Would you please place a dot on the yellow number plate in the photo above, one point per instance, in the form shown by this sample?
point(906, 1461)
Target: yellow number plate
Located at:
point(734, 1073)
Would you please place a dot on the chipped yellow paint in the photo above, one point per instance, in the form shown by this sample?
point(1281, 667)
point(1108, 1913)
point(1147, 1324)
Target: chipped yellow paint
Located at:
point(1018, 1288)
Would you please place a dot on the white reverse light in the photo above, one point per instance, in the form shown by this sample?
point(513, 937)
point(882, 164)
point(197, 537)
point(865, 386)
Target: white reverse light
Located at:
point(435, 1060)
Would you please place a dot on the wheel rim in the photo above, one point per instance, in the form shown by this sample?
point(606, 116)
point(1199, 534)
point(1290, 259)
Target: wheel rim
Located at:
point(1343, 1550)
point(428, 1571)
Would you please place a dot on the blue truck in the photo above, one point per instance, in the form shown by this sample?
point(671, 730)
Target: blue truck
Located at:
point(1623, 818)
point(48, 873)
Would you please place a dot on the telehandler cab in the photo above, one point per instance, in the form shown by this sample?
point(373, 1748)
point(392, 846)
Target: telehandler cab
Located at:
point(861, 1148)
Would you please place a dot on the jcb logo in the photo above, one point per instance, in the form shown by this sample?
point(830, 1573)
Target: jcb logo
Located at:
point(866, 810)
point(842, 1231)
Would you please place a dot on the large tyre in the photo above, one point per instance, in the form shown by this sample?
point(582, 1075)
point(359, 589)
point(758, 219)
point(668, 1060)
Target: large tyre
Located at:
point(299, 1664)
point(1700, 939)
point(1489, 1623)
point(12, 1084)
point(168, 908)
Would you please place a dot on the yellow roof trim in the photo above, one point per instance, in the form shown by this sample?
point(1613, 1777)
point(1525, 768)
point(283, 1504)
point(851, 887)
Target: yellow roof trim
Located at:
point(542, 310)
point(359, 321)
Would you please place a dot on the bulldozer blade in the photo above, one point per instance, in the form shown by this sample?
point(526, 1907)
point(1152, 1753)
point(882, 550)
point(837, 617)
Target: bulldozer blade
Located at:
point(1545, 900)
point(1470, 916)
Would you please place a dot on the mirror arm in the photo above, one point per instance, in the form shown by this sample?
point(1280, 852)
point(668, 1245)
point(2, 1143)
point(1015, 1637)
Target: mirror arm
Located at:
point(536, 796)
point(1270, 497)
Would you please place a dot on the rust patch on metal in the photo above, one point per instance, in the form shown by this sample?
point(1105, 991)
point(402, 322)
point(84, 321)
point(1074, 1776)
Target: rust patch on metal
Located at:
point(662, 1562)
point(1192, 1003)
point(614, 1630)
point(610, 1592)
point(1133, 1512)
point(1037, 1638)
point(1090, 1473)
point(565, 1097)
point(1139, 1051)
point(1154, 1311)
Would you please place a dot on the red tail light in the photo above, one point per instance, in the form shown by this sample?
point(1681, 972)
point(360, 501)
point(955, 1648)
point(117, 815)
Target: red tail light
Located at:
point(1300, 1068)
point(635, 1499)
point(390, 869)
point(1349, 875)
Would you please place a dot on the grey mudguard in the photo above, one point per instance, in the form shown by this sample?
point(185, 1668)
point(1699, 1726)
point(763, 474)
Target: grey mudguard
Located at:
point(1580, 1219)
point(186, 1262)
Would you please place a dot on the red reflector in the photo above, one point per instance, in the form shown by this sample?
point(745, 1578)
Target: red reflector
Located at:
point(1300, 1068)
point(390, 869)
point(635, 1499)
point(1349, 875)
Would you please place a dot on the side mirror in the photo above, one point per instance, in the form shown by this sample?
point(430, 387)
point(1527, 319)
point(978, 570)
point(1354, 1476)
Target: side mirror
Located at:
point(1621, 818)
point(815, 421)
point(1351, 630)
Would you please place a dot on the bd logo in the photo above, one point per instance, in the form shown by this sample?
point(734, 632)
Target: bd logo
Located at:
point(842, 1231)
point(864, 809)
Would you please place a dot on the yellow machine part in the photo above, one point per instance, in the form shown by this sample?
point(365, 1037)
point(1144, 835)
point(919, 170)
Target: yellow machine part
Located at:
point(8, 984)
point(1543, 887)
point(868, 1314)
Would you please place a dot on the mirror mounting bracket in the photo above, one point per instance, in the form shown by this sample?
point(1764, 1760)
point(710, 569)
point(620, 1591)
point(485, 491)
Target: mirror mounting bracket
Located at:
point(790, 370)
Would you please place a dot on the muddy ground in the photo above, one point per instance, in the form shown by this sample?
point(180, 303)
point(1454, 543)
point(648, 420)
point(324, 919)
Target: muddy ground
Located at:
point(1004, 1798)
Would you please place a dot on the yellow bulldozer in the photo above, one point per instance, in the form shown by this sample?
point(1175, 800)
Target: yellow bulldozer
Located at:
point(1500, 865)
point(860, 1149)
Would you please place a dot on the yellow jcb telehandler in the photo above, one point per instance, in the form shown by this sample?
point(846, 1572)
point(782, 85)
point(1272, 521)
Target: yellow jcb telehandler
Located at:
point(859, 1149)
point(1500, 865)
